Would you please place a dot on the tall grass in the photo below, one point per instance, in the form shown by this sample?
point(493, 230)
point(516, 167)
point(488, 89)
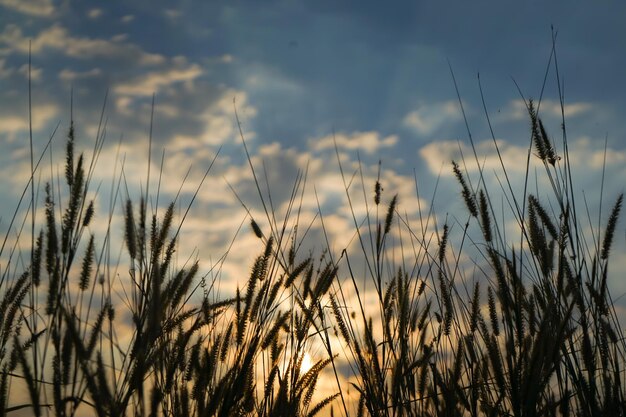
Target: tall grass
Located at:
point(526, 328)
point(167, 345)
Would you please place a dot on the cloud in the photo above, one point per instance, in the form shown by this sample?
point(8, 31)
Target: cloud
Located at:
point(127, 18)
point(324, 189)
point(12, 123)
point(94, 13)
point(37, 8)
point(211, 124)
point(172, 14)
point(427, 118)
point(585, 152)
point(152, 82)
point(586, 157)
point(35, 72)
point(280, 167)
point(264, 78)
point(8, 71)
point(57, 38)
point(369, 142)
point(4, 70)
point(552, 108)
point(440, 154)
point(69, 75)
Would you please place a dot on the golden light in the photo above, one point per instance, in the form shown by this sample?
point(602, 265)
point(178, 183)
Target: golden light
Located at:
point(306, 364)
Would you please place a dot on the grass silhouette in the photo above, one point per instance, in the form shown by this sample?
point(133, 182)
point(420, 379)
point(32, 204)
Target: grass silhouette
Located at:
point(536, 335)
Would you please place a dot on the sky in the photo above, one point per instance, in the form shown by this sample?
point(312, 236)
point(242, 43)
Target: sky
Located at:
point(375, 78)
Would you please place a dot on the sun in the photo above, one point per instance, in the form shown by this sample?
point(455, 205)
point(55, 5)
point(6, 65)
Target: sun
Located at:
point(307, 363)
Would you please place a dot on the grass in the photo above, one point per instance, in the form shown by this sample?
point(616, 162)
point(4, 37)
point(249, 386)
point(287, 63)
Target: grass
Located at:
point(527, 328)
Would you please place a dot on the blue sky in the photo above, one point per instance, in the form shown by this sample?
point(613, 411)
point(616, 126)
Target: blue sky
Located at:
point(373, 74)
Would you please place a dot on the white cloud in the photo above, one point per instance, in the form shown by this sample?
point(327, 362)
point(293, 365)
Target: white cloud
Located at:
point(12, 124)
point(584, 156)
point(69, 75)
point(440, 154)
point(127, 18)
point(518, 111)
point(38, 8)
point(262, 78)
point(213, 125)
point(427, 118)
point(35, 72)
point(4, 71)
point(172, 13)
point(153, 82)
point(94, 13)
point(57, 38)
point(122, 104)
point(119, 38)
point(585, 152)
point(369, 142)
point(282, 166)
point(220, 122)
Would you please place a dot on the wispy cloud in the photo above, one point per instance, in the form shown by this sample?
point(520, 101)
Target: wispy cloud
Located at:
point(11, 123)
point(58, 38)
point(369, 142)
point(33, 72)
point(172, 14)
point(152, 82)
point(36, 8)
point(439, 155)
point(427, 118)
point(590, 153)
point(517, 109)
point(94, 13)
point(4, 70)
point(69, 75)
point(587, 158)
